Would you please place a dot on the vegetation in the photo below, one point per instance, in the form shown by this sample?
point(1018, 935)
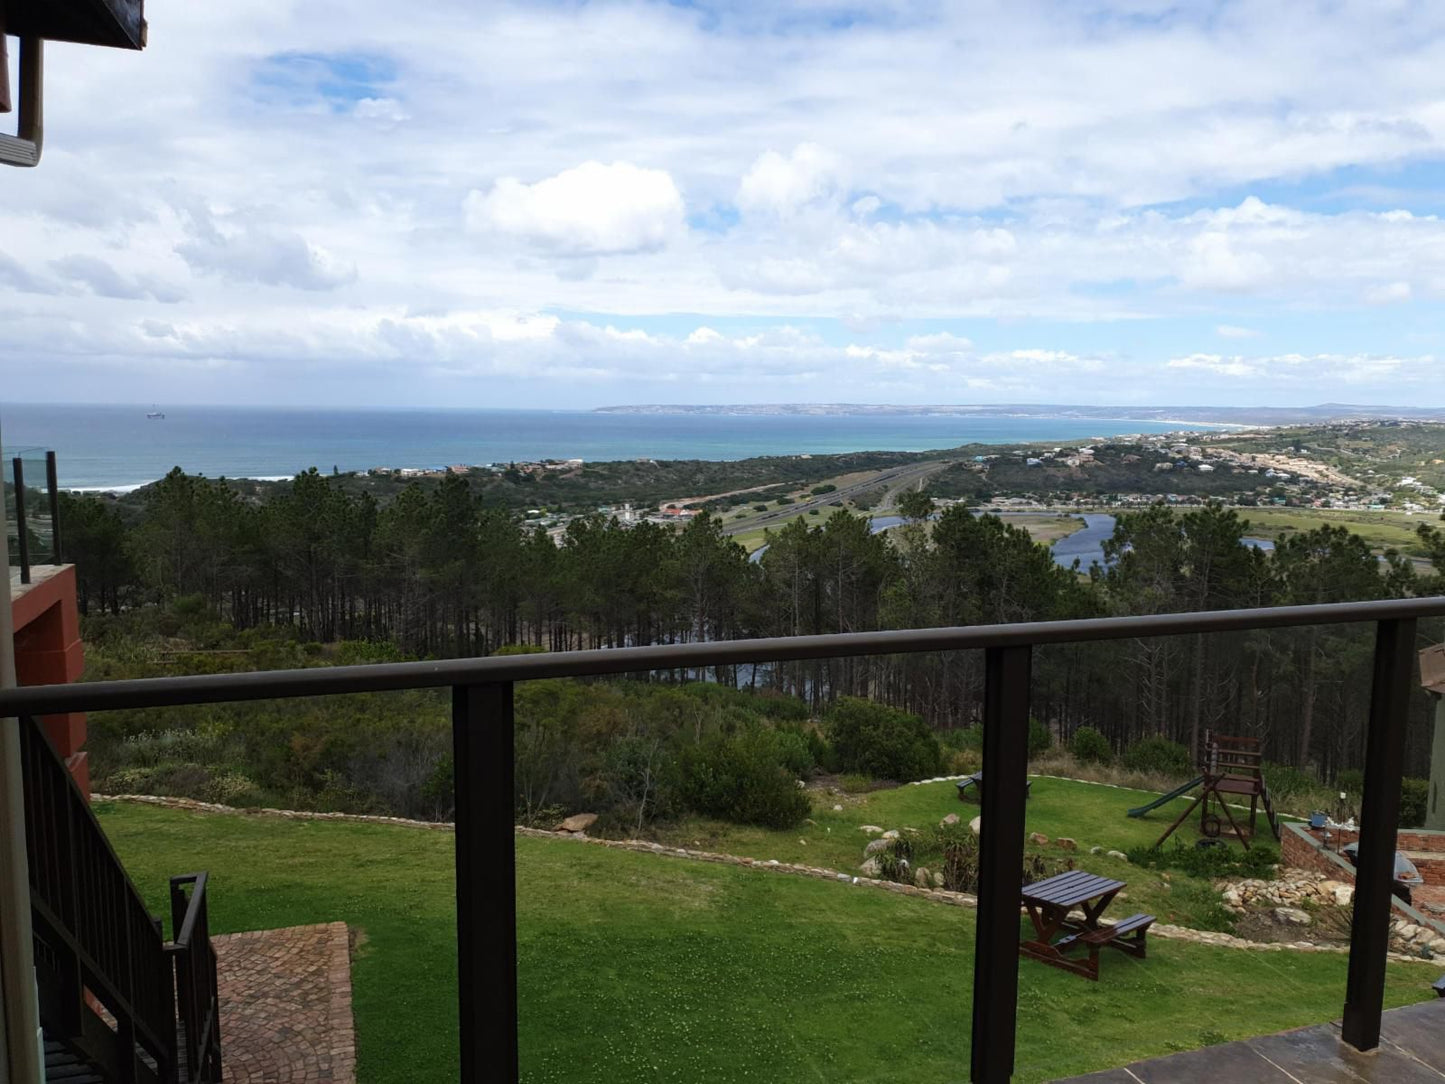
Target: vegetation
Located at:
point(633, 967)
point(209, 579)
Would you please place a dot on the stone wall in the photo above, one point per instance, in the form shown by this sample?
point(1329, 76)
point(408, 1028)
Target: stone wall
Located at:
point(1300, 848)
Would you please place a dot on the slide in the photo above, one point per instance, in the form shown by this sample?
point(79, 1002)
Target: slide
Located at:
point(1157, 802)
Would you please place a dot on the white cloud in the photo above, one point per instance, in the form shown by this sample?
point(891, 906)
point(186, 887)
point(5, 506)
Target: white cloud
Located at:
point(1389, 293)
point(592, 209)
point(781, 185)
point(1315, 370)
point(1234, 331)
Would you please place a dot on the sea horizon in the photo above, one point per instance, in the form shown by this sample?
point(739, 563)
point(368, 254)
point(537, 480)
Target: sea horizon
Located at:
point(116, 447)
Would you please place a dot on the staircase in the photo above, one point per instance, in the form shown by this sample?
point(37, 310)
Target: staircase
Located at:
point(117, 1003)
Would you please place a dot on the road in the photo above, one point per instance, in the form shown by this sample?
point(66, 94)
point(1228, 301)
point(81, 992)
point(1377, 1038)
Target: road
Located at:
point(896, 479)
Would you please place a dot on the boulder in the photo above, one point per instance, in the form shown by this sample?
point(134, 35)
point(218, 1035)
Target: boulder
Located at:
point(1291, 916)
point(870, 868)
point(579, 822)
point(877, 846)
point(1344, 895)
point(937, 879)
point(948, 821)
point(1065, 843)
point(837, 808)
point(892, 833)
point(871, 829)
point(1096, 850)
point(1039, 838)
point(922, 878)
point(1120, 855)
point(976, 825)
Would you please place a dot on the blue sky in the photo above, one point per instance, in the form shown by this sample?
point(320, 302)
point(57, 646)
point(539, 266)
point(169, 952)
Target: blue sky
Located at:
point(577, 204)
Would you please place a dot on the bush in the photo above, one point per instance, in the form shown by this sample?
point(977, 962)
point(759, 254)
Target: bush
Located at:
point(1351, 781)
point(1289, 786)
point(1157, 754)
point(1090, 746)
point(740, 777)
point(1041, 739)
point(826, 487)
point(1209, 862)
point(1414, 794)
point(881, 741)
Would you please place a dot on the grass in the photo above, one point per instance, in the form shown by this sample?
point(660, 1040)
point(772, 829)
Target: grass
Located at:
point(640, 968)
point(1045, 529)
point(1092, 816)
point(1381, 530)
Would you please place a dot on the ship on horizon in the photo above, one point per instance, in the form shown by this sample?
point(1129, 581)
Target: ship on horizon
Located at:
point(155, 415)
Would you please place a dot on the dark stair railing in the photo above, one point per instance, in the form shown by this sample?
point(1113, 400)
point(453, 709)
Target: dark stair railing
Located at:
point(197, 997)
point(106, 978)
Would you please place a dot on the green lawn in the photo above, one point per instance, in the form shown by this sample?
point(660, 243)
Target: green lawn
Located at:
point(640, 968)
point(1091, 815)
point(1382, 530)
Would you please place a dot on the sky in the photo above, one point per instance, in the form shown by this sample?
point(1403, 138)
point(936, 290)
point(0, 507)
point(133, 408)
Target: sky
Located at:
point(311, 202)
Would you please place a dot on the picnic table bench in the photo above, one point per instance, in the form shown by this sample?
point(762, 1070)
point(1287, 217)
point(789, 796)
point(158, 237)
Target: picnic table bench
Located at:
point(976, 780)
point(1049, 903)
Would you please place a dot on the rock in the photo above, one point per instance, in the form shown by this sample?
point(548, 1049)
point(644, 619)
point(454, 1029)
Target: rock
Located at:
point(871, 867)
point(1437, 946)
point(579, 822)
point(892, 833)
point(1407, 931)
point(871, 829)
point(922, 878)
point(1039, 838)
point(1065, 843)
point(803, 842)
point(1344, 896)
point(1096, 850)
point(1120, 855)
point(976, 825)
point(837, 808)
point(878, 846)
point(948, 821)
point(937, 879)
point(1291, 916)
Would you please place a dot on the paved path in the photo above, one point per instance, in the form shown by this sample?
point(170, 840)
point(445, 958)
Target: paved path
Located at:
point(286, 1006)
point(1412, 1049)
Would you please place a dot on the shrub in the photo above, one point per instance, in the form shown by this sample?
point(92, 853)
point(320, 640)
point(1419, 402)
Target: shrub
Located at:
point(1090, 746)
point(1414, 794)
point(740, 777)
point(1351, 781)
point(1157, 754)
point(1289, 786)
point(881, 741)
point(1041, 739)
point(1209, 862)
point(826, 487)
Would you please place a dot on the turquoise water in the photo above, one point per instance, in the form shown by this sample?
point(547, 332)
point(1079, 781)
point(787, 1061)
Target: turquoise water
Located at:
point(118, 446)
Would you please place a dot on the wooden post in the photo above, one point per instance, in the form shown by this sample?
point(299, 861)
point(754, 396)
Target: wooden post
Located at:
point(1000, 864)
point(482, 741)
point(1379, 820)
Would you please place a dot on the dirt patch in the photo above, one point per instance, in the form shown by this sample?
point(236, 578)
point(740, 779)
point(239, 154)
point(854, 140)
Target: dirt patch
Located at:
point(1328, 926)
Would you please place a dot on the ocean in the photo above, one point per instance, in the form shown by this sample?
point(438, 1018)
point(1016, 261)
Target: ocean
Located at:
point(118, 447)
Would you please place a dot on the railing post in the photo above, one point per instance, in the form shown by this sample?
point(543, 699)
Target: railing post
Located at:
point(22, 530)
point(482, 743)
point(1000, 865)
point(1379, 819)
point(52, 485)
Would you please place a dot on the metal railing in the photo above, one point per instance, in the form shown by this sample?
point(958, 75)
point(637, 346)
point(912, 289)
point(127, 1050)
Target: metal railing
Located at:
point(482, 734)
point(197, 991)
point(37, 525)
point(95, 940)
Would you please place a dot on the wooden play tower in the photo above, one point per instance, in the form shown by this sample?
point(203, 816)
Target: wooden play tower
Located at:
point(1231, 767)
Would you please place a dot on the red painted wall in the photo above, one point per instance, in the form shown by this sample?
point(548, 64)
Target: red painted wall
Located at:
point(48, 651)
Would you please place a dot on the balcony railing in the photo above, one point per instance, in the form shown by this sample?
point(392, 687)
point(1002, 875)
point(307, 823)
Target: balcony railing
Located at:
point(482, 733)
point(33, 512)
point(108, 983)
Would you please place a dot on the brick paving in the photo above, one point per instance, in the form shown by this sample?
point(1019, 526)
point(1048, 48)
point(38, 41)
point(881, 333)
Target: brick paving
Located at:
point(286, 1006)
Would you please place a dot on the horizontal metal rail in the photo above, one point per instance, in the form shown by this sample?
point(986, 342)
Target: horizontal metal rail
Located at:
point(482, 733)
point(386, 677)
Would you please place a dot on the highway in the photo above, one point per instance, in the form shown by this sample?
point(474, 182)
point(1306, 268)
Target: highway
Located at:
point(896, 479)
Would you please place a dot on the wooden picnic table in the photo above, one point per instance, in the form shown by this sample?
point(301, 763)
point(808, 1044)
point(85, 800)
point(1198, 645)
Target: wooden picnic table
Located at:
point(1049, 903)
